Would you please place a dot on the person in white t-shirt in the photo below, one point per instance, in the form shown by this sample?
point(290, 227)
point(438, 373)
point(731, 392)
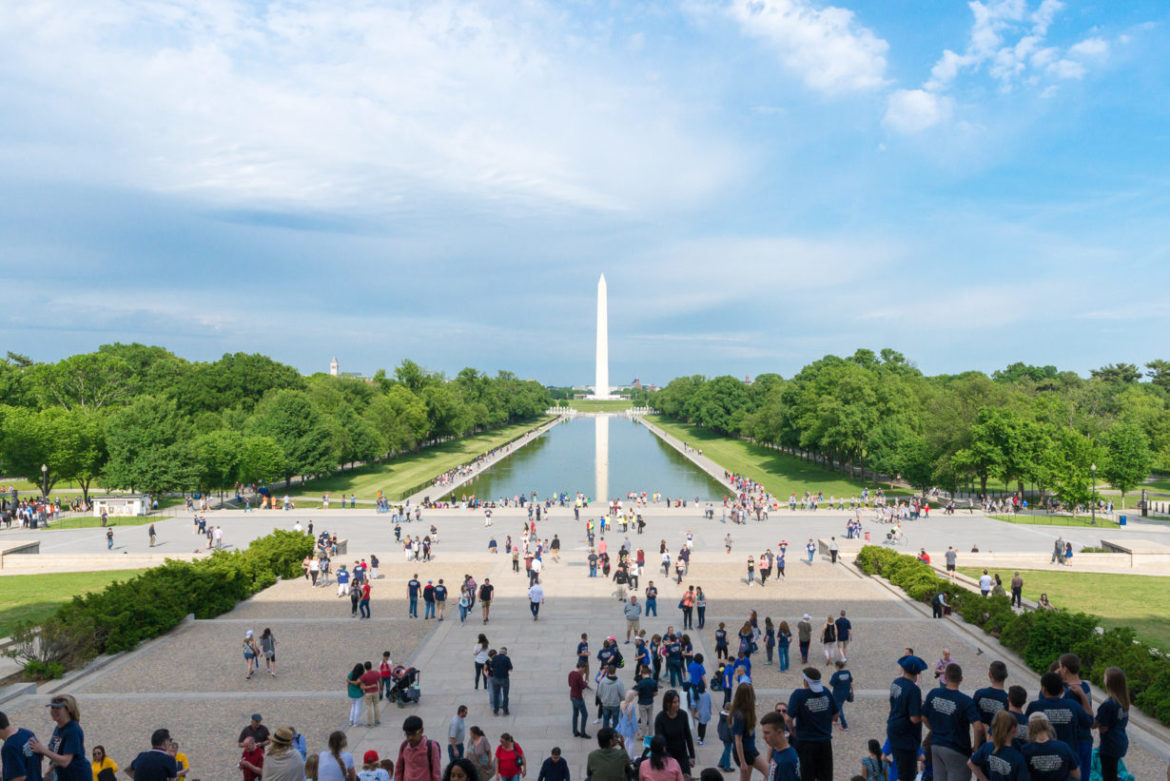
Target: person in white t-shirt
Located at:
point(336, 764)
point(985, 583)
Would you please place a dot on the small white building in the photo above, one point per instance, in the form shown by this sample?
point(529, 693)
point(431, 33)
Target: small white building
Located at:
point(120, 505)
point(334, 367)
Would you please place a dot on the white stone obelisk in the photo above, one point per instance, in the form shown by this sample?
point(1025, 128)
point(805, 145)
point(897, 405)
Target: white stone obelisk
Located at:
point(601, 379)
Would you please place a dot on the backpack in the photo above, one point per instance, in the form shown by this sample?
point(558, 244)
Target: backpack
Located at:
point(430, 757)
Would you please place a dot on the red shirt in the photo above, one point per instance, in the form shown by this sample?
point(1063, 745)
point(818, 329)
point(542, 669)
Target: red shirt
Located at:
point(256, 757)
point(577, 684)
point(370, 681)
point(365, 590)
point(509, 761)
point(384, 670)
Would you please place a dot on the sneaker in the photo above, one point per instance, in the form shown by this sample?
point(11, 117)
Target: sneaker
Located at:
point(702, 743)
point(585, 735)
point(597, 721)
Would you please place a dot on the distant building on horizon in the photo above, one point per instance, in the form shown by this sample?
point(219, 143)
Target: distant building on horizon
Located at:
point(334, 367)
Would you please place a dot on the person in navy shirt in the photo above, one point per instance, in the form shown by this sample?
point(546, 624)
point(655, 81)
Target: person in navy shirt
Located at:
point(16, 755)
point(66, 749)
point(156, 764)
point(998, 760)
point(844, 635)
point(841, 683)
point(1067, 716)
point(1112, 719)
point(783, 764)
point(1048, 759)
point(811, 713)
point(413, 586)
point(904, 724)
point(1017, 701)
point(950, 714)
point(990, 700)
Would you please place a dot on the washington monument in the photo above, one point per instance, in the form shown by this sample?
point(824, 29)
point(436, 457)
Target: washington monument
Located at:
point(601, 379)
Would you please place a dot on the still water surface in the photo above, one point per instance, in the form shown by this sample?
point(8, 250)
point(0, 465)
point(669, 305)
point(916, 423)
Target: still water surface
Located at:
point(600, 456)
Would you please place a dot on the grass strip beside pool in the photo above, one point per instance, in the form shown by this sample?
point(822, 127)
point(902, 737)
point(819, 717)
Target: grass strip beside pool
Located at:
point(34, 597)
point(1027, 519)
point(407, 472)
point(780, 472)
point(1138, 601)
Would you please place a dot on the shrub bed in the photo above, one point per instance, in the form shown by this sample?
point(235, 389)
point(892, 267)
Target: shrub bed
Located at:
point(125, 613)
point(1039, 637)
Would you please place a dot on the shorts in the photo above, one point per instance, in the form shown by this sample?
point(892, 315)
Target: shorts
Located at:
point(632, 625)
point(270, 656)
point(750, 756)
point(950, 568)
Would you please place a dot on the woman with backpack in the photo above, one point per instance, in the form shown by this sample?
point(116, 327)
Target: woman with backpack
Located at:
point(510, 764)
point(250, 654)
point(873, 766)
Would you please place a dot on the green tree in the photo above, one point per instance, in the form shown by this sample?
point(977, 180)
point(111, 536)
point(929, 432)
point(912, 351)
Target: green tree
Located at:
point(289, 418)
point(261, 460)
point(150, 448)
point(1127, 460)
point(1066, 468)
point(90, 380)
point(1117, 372)
point(400, 419)
point(217, 455)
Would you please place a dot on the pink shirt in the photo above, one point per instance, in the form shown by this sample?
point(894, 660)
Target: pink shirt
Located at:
point(670, 771)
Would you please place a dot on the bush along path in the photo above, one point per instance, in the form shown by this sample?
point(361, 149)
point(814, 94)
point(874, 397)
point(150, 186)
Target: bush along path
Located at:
point(126, 613)
point(1039, 637)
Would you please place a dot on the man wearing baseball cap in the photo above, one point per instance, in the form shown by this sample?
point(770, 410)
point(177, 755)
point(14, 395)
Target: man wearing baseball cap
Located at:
point(904, 724)
point(256, 731)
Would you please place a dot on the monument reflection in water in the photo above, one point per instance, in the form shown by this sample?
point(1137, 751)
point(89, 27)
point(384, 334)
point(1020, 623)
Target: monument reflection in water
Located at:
point(618, 456)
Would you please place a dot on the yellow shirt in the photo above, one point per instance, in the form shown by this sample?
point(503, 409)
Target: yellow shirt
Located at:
point(181, 761)
point(105, 763)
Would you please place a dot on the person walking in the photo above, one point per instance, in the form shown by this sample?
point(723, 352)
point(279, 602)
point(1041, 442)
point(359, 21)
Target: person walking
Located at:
point(829, 639)
point(751, 571)
point(152, 535)
point(834, 549)
point(688, 608)
point(440, 599)
point(250, 654)
point(364, 602)
point(651, 595)
point(841, 684)
point(535, 598)
point(741, 718)
point(485, 598)
point(627, 724)
point(1017, 590)
point(810, 550)
point(783, 641)
point(952, 559)
point(811, 713)
point(804, 636)
point(501, 665)
point(577, 687)
point(510, 762)
point(479, 751)
point(481, 658)
point(268, 648)
point(1112, 720)
point(457, 734)
point(109, 538)
point(428, 600)
point(844, 635)
point(66, 748)
point(419, 757)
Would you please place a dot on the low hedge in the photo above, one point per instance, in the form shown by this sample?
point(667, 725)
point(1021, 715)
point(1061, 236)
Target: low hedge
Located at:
point(1039, 637)
point(126, 613)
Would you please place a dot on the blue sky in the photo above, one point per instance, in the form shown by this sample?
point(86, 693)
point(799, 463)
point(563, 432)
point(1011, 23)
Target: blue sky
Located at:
point(761, 181)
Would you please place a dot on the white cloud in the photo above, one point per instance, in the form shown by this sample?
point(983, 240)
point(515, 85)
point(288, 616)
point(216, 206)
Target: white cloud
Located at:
point(915, 110)
point(824, 46)
point(1088, 48)
point(353, 103)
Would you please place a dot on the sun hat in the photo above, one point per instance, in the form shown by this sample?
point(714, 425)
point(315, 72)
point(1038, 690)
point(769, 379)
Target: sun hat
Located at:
point(283, 736)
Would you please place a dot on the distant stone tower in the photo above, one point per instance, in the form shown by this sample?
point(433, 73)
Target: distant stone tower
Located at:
point(334, 367)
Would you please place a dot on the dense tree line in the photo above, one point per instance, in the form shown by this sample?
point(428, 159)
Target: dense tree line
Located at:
point(1027, 426)
point(141, 418)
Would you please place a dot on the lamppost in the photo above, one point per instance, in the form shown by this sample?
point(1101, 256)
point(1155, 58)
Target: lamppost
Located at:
point(45, 480)
point(1093, 469)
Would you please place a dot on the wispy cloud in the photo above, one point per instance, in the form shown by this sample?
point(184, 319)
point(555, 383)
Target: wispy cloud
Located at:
point(823, 45)
point(350, 104)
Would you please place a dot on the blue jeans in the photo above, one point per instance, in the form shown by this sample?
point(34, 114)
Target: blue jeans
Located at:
point(364, 607)
point(652, 607)
point(500, 688)
point(593, 572)
point(702, 616)
point(841, 713)
point(454, 752)
point(428, 609)
point(609, 716)
point(579, 710)
point(462, 613)
point(413, 607)
point(674, 670)
point(782, 652)
point(725, 757)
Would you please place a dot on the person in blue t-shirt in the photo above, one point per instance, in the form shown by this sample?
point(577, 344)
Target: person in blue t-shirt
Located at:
point(1112, 719)
point(841, 683)
point(990, 700)
point(16, 755)
point(696, 671)
point(1017, 701)
point(156, 764)
point(783, 764)
point(1048, 759)
point(997, 760)
point(66, 749)
point(1069, 667)
point(1067, 717)
point(811, 713)
point(904, 724)
point(950, 715)
point(413, 586)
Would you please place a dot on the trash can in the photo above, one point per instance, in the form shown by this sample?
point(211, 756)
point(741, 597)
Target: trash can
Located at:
point(1121, 520)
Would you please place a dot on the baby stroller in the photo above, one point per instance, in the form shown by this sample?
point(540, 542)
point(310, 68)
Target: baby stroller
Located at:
point(405, 687)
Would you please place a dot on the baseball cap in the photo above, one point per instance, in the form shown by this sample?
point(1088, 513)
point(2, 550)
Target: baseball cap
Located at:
point(370, 757)
point(256, 717)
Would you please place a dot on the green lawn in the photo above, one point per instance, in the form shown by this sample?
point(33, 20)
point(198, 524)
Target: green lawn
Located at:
point(406, 473)
point(587, 405)
point(780, 473)
point(1043, 519)
point(87, 521)
point(1138, 601)
point(1159, 483)
point(33, 597)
